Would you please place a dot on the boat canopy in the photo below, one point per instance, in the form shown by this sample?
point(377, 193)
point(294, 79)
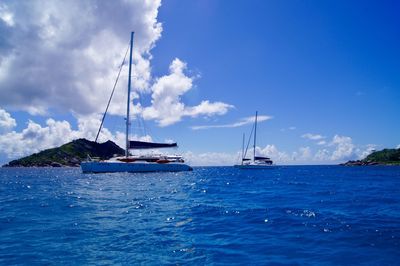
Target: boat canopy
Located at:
point(134, 144)
point(261, 158)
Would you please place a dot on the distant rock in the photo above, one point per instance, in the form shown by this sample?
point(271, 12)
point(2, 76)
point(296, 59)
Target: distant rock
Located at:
point(358, 163)
point(383, 157)
point(69, 154)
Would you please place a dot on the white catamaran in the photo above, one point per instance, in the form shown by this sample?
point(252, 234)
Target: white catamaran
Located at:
point(136, 163)
point(257, 162)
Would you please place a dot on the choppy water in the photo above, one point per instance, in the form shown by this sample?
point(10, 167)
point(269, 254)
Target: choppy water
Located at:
point(305, 215)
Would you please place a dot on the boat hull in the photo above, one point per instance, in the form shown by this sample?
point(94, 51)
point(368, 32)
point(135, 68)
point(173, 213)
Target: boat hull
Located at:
point(115, 167)
point(253, 166)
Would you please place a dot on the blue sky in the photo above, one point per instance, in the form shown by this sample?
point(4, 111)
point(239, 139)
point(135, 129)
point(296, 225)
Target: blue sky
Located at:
point(324, 72)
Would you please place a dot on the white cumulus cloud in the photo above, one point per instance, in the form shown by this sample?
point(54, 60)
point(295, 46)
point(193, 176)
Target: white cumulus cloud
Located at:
point(272, 152)
point(65, 55)
point(35, 137)
point(345, 149)
point(368, 149)
point(311, 136)
point(6, 121)
point(167, 107)
point(322, 155)
point(210, 158)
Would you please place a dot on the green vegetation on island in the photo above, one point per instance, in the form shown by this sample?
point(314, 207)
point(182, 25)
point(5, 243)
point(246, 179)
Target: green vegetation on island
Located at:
point(383, 157)
point(69, 154)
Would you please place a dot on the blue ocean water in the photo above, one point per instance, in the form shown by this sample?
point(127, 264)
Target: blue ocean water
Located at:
point(294, 215)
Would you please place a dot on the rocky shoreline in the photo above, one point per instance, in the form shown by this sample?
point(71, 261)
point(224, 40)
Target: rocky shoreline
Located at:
point(359, 163)
point(71, 163)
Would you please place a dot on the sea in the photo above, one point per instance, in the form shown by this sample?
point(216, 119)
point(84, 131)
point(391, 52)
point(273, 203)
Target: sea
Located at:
point(287, 215)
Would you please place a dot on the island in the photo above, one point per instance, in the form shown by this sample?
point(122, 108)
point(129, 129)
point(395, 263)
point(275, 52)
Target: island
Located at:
point(383, 157)
point(70, 154)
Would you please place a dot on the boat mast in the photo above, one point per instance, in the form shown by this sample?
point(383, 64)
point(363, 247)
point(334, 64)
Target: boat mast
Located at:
point(255, 137)
point(129, 98)
point(243, 149)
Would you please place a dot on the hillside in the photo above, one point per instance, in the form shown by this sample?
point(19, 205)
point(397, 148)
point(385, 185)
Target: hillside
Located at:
point(69, 154)
point(383, 157)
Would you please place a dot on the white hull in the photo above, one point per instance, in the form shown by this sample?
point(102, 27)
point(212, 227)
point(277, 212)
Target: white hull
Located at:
point(134, 167)
point(253, 166)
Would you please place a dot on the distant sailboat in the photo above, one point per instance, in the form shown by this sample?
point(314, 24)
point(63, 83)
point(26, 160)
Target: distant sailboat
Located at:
point(257, 162)
point(138, 163)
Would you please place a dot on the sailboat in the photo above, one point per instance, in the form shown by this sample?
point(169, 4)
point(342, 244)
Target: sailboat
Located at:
point(257, 162)
point(136, 163)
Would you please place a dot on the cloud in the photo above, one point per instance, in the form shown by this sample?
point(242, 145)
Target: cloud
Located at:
point(241, 122)
point(167, 107)
point(305, 153)
point(208, 109)
point(366, 151)
point(302, 155)
point(342, 149)
point(345, 149)
point(6, 121)
point(6, 16)
point(339, 149)
point(311, 136)
point(35, 137)
point(289, 128)
point(273, 152)
point(211, 158)
point(323, 155)
point(65, 55)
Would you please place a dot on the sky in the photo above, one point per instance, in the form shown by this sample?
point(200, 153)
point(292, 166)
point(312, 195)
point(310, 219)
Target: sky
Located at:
point(323, 76)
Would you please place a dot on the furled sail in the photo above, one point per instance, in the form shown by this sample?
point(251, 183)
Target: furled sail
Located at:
point(133, 144)
point(261, 158)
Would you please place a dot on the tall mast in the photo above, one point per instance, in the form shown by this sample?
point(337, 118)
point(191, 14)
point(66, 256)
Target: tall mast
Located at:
point(129, 98)
point(255, 137)
point(243, 149)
